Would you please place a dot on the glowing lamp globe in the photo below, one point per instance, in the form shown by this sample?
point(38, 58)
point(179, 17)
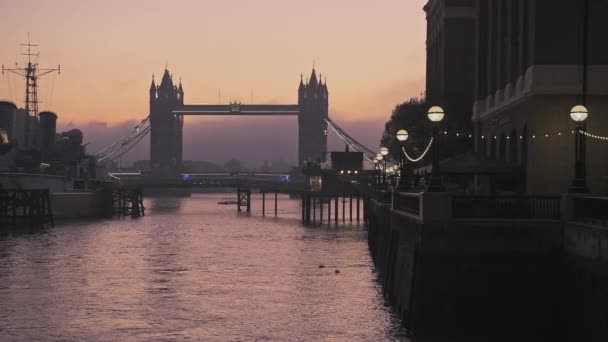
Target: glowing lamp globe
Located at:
point(579, 113)
point(436, 114)
point(402, 135)
point(379, 156)
point(384, 151)
point(376, 161)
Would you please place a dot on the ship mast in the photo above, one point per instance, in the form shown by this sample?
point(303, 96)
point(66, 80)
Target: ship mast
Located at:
point(31, 73)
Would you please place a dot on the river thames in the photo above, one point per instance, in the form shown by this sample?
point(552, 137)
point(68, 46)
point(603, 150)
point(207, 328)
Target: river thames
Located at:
point(193, 270)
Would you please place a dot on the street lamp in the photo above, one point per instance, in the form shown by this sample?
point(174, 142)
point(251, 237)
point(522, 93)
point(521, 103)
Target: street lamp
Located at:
point(579, 114)
point(376, 162)
point(402, 136)
point(384, 153)
point(379, 157)
point(435, 114)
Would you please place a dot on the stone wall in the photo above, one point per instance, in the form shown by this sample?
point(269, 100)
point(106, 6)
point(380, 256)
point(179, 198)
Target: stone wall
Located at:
point(71, 205)
point(466, 277)
point(586, 281)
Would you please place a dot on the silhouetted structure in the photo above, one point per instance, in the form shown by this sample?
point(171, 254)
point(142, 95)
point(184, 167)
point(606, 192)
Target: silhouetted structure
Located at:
point(167, 110)
point(450, 49)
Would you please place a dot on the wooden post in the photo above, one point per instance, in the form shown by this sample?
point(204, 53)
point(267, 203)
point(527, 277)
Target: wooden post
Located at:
point(329, 209)
point(343, 209)
point(314, 209)
point(263, 203)
point(238, 200)
point(350, 209)
point(275, 203)
point(321, 209)
point(307, 209)
point(248, 201)
point(357, 208)
point(336, 210)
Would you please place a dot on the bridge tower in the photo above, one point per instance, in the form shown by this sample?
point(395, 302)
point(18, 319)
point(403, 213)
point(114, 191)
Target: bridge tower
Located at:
point(166, 128)
point(313, 109)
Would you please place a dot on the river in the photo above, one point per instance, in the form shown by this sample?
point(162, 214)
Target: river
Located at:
point(193, 270)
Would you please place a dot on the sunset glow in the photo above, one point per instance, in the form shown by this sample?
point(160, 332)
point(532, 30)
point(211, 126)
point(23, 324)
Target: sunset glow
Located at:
point(372, 53)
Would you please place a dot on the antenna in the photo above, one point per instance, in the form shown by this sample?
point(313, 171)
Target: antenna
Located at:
point(31, 73)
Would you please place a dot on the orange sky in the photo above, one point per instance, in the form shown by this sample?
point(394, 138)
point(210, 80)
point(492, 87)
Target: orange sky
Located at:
point(372, 52)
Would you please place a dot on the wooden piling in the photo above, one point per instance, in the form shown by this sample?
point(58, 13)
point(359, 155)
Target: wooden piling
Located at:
point(321, 209)
point(336, 210)
point(343, 209)
point(350, 208)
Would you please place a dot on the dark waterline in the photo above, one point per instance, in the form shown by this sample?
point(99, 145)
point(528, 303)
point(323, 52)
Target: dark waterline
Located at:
point(193, 270)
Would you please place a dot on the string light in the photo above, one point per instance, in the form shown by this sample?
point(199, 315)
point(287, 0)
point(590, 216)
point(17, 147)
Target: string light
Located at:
point(413, 160)
point(594, 136)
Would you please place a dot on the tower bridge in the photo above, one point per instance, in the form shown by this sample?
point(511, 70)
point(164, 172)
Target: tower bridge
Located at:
point(167, 109)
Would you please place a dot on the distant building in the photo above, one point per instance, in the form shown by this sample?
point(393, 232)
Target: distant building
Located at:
point(14, 122)
point(450, 69)
point(529, 71)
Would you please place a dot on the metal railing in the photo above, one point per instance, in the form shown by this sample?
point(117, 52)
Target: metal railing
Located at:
point(382, 196)
point(407, 201)
point(591, 209)
point(506, 207)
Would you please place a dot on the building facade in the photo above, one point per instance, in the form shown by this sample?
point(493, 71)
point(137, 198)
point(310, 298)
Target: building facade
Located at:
point(450, 48)
point(530, 65)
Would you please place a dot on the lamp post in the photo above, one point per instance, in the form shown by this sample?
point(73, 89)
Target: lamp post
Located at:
point(402, 136)
point(579, 184)
point(381, 175)
point(377, 167)
point(435, 114)
point(384, 153)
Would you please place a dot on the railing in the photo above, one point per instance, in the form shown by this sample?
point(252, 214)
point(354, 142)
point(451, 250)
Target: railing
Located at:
point(407, 201)
point(382, 196)
point(506, 207)
point(591, 209)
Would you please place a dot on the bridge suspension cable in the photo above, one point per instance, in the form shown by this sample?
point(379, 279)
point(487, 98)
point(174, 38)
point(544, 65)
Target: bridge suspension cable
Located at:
point(124, 144)
point(350, 141)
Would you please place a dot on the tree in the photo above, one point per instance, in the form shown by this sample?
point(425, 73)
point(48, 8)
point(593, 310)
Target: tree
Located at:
point(411, 116)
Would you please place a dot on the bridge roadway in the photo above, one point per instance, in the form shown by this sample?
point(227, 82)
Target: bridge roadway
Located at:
point(235, 182)
point(239, 109)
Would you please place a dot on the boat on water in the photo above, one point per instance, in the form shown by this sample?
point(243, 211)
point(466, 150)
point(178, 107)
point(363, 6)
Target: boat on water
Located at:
point(228, 201)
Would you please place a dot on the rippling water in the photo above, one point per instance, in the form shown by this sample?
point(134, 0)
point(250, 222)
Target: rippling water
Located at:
point(193, 270)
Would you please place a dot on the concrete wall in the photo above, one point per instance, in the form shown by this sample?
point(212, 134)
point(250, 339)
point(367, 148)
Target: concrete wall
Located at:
point(586, 281)
point(70, 205)
point(493, 278)
point(33, 181)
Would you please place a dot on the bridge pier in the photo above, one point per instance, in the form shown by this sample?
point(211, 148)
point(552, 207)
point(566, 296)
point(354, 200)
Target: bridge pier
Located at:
point(243, 199)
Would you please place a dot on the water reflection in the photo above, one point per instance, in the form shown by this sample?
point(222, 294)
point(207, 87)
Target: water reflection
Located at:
point(193, 270)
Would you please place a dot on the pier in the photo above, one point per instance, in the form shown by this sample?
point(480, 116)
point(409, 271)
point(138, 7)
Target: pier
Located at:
point(25, 208)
